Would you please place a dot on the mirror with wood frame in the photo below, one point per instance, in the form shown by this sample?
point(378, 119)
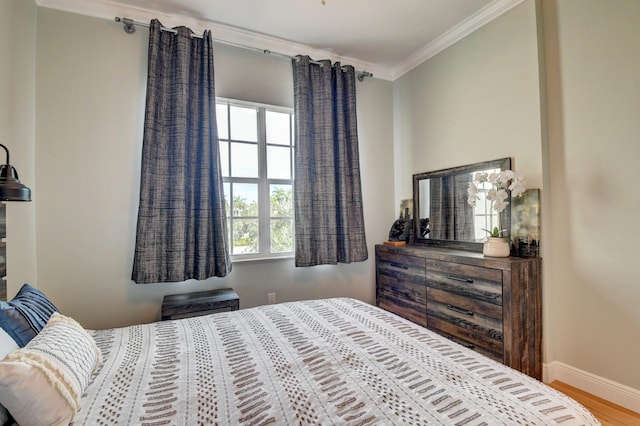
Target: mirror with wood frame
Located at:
point(443, 216)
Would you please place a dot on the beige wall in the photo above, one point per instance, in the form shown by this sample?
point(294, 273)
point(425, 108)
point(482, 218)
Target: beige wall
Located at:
point(475, 101)
point(90, 101)
point(593, 69)
point(482, 99)
point(17, 132)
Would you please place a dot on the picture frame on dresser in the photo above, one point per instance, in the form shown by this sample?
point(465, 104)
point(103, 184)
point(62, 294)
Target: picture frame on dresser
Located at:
point(525, 224)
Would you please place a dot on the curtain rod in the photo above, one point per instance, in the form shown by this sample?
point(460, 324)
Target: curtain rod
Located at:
point(129, 27)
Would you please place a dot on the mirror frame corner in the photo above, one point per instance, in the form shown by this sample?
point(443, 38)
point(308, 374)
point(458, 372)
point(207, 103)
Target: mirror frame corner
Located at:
point(501, 163)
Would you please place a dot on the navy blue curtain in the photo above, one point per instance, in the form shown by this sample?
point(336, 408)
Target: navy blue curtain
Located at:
point(328, 196)
point(452, 217)
point(182, 228)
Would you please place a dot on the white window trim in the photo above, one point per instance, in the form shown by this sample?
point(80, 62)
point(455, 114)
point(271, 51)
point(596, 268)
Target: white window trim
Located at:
point(264, 241)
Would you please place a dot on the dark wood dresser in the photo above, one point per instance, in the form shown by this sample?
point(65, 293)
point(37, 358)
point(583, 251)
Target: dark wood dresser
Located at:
point(491, 305)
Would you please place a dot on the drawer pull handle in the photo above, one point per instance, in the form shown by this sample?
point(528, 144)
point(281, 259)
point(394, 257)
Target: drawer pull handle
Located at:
point(460, 310)
point(464, 280)
point(399, 265)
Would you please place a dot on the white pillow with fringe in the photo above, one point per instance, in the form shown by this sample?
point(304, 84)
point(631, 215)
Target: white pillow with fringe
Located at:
point(42, 383)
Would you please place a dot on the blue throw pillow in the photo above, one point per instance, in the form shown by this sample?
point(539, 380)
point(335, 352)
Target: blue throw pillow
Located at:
point(26, 314)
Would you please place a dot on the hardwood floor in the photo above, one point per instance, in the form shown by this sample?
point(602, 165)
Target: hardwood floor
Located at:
point(607, 412)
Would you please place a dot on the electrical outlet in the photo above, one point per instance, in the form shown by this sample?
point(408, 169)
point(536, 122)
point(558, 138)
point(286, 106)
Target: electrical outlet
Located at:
point(271, 298)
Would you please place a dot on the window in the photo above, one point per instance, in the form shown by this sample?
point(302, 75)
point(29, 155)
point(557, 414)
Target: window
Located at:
point(256, 152)
point(485, 217)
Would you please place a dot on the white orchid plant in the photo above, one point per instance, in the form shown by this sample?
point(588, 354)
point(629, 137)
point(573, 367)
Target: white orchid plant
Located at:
point(503, 183)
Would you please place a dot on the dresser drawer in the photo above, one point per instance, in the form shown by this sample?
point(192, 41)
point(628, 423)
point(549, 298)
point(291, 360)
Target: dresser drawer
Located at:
point(464, 303)
point(487, 347)
point(404, 298)
point(478, 324)
point(403, 267)
point(476, 282)
point(401, 285)
point(459, 306)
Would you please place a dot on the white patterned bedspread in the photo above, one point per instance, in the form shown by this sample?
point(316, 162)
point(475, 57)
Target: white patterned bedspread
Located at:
point(332, 361)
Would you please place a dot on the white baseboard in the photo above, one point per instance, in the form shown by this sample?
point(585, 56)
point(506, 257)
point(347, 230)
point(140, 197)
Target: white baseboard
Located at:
point(599, 386)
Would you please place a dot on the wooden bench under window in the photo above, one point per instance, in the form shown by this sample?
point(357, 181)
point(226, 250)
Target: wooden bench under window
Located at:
point(189, 305)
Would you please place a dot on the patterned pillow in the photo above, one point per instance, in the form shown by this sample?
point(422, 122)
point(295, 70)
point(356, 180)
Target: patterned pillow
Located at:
point(26, 314)
point(42, 383)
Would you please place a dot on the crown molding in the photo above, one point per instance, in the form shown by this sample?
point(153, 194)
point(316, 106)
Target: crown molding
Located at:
point(464, 28)
point(226, 34)
point(221, 33)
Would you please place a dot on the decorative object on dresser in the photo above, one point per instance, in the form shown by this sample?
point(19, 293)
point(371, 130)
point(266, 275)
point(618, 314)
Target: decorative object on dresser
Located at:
point(400, 232)
point(496, 247)
point(189, 305)
point(525, 224)
point(491, 305)
point(498, 189)
point(401, 229)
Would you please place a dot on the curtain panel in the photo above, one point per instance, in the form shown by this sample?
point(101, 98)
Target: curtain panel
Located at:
point(329, 221)
point(452, 218)
point(182, 230)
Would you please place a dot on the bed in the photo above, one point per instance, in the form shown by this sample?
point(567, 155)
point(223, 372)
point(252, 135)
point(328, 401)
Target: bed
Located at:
point(329, 361)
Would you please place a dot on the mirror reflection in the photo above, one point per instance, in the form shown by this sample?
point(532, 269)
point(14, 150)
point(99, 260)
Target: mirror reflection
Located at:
point(442, 208)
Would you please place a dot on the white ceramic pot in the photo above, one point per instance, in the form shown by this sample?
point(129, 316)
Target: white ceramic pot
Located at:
point(496, 247)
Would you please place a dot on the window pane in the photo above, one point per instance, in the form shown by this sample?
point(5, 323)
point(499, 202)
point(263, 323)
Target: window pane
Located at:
point(245, 199)
point(277, 128)
point(222, 117)
point(244, 124)
point(244, 159)
point(278, 162)
point(281, 198)
point(245, 236)
point(256, 155)
point(224, 158)
point(281, 235)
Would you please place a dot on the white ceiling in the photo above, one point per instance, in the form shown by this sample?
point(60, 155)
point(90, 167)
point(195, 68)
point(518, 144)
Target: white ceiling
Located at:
point(385, 37)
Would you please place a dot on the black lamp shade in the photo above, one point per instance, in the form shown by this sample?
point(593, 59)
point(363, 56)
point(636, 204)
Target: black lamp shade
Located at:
point(10, 187)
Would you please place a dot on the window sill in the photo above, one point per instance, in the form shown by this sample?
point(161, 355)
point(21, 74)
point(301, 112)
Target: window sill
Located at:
point(242, 259)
